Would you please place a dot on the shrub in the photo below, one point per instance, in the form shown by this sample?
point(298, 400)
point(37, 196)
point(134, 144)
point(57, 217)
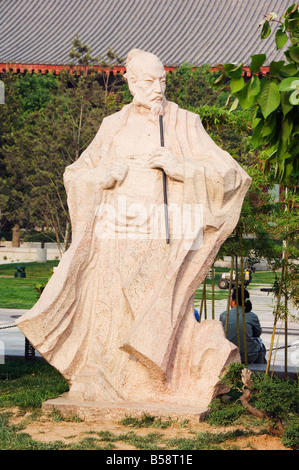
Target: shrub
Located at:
point(270, 398)
point(224, 414)
point(278, 398)
point(291, 434)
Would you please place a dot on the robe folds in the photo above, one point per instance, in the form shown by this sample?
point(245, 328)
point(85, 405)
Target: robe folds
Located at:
point(120, 308)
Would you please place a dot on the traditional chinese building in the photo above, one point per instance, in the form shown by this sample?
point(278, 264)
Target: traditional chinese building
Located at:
point(36, 35)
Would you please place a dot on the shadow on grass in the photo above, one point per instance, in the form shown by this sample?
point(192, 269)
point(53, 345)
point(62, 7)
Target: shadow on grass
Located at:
point(28, 383)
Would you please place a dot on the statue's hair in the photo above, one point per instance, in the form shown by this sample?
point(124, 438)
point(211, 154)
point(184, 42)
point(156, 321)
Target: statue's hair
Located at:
point(135, 59)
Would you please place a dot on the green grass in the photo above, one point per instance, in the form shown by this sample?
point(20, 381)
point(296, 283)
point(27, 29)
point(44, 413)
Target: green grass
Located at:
point(157, 441)
point(11, 437)
point(20, 292)
point(33, 270)
point(219, 294)
point(28, 383)
point(14, 437)
point(259, 277)
point(263, 277)
point(146, 421)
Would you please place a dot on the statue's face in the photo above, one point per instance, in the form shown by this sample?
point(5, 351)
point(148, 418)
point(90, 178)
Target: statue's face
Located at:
point(148, 87)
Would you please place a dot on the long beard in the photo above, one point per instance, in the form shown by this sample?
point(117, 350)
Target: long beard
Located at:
point(156, 110)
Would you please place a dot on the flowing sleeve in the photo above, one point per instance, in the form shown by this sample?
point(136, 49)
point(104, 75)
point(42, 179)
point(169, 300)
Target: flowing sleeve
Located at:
point(82, 181)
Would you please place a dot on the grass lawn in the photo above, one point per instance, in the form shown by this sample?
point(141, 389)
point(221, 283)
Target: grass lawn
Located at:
point(259, 277)
point(20, 292)
point(263, 277)
point(29, 383)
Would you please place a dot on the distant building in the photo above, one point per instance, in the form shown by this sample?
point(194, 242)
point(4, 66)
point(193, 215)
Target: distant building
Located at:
point(36, 35)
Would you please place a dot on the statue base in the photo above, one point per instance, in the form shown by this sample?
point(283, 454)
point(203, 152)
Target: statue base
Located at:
point(106, 411)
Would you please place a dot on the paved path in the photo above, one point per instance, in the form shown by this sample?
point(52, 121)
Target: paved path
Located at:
point(12, 341)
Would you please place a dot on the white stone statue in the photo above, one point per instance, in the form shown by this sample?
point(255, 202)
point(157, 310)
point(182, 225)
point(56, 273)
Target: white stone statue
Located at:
point(117, 316)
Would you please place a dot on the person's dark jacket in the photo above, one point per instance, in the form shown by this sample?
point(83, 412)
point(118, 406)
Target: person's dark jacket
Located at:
point(253, 332)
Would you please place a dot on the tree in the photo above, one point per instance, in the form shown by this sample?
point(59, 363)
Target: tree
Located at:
point(51, 135)
point(191, 86)
point(10, 197)
point(81, 55)
point(273, 98)
point(274, 103)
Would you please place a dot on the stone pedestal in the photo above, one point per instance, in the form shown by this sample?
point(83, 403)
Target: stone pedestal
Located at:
point(117, 411)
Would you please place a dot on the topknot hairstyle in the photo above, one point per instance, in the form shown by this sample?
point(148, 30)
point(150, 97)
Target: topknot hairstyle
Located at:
point(133, 61)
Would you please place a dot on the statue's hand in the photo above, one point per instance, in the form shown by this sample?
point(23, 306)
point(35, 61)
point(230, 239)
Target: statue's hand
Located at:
point(164, 159)
point(115, 175)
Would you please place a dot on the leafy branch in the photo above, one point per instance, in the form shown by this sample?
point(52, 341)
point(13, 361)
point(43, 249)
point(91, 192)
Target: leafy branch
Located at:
point(273, 99)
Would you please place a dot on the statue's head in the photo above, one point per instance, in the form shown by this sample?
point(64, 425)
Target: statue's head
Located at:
point(146, 75)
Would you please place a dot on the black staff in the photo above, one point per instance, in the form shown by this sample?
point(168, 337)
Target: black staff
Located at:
point(164, 183)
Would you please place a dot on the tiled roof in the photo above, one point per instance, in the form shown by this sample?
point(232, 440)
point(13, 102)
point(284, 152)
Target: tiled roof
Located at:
point(178, 31)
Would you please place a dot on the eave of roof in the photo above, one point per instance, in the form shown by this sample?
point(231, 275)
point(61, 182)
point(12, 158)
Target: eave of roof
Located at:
point(56, 69)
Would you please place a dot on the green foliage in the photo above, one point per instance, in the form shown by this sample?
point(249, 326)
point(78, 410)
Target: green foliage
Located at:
point(35, 91)
point(257, 210)
point(278, 398)
point(12, 439)
point(40, 286)
point(146, 421)
point(16, 294)
point(32, 162)
point(71, 107)
point(291, 435)
point(34, 188)
point(224, 414)
point(206, 440)
point(81, 53)
point(26, 384)
point(229, 130)
point(21, 292)
point(191, 87)
point(274, 99)
point(232, 377)
point(58, 417)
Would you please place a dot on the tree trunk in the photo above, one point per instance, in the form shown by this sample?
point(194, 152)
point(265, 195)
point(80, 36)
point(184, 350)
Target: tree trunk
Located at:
point(16, 236)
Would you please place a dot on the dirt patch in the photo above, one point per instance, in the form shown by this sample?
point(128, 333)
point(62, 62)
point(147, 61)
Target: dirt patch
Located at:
point(46, 430)
point(42, 428)
point(262, 442)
